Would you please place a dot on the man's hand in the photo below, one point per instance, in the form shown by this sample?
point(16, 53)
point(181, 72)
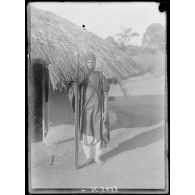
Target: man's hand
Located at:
point(78, 78)
point(75, 78)
point(105, 116)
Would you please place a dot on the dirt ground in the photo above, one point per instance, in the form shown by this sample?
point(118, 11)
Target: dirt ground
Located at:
point(134, 158)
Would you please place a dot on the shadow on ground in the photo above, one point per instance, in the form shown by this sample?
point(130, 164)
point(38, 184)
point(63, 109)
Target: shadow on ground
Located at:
point(138, 141)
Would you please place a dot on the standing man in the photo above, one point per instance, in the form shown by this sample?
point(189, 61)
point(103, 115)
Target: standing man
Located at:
point(93, 110)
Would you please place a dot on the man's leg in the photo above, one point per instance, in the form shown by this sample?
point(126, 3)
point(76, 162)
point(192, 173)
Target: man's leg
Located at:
point(88, 153)
point(98, 153)
point(87, 150)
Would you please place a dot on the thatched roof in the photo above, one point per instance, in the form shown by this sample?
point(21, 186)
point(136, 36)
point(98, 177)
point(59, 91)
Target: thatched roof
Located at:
point(57, 42)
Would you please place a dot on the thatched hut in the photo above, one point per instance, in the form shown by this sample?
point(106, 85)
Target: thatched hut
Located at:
point(55, 45)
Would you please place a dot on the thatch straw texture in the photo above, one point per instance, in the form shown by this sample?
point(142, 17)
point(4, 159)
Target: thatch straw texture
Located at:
point(57, 42)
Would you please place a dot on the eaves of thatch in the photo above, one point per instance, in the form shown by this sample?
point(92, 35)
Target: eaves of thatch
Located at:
point(60, 44)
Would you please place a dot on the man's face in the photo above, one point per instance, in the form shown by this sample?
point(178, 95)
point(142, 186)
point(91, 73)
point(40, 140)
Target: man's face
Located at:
point(91, 63)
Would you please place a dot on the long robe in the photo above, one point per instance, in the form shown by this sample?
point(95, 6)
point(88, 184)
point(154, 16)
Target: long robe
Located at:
point(91, 107)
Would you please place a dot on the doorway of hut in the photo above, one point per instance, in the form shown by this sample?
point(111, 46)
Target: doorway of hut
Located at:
point(39, 96)
point(51, 109)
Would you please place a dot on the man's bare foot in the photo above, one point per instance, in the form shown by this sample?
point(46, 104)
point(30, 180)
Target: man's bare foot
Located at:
point(99, 162)
point(86, 162)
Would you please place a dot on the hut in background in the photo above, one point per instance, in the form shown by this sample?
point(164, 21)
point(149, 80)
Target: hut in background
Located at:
point(54, 45)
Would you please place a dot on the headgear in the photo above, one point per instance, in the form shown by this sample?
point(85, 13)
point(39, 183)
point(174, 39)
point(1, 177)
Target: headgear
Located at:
point(90, 56)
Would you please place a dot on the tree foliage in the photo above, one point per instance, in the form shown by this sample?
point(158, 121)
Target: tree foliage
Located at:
point(110, 40)
point(154, 37)
point(123, 38)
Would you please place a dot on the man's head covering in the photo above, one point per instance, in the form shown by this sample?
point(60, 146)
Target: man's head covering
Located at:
point(89, 56)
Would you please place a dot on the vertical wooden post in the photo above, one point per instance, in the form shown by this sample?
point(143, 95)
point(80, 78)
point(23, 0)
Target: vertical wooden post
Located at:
point(76, 113)
point(47, 103)
point(124, 90)
point(43, 104)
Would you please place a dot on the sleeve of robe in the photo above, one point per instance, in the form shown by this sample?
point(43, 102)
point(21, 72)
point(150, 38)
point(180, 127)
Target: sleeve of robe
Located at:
point(106, 129)
point(71, 91)
point(105, 83)
point(105, 87)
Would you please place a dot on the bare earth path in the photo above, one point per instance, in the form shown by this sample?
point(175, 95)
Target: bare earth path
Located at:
point(134, 159)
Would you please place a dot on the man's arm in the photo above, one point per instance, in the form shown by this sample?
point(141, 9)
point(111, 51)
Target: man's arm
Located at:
point(71, 88)
point(105, 88)
point(105, 114)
